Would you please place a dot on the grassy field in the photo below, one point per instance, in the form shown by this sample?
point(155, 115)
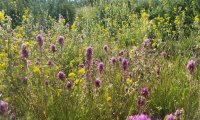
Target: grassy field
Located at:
point(117, 60)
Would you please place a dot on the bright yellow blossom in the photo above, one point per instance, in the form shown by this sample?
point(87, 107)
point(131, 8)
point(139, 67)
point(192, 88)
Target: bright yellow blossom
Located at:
point(2, 16)
point(36, 70)
point(107, 98)
point(78, 81)
point(71, 76)
point(81, 71)
point(3, 55)
point(129, 81)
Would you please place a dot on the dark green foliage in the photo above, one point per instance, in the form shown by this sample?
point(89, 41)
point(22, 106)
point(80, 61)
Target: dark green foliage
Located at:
point(41, 10)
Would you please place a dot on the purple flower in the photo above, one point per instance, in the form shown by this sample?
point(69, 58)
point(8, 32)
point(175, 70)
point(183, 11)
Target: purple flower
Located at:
point(81, 65)
point(97, 83)
point(147, 43)
point(46, 82)
point(39, 39)
point(53, 48)
point(89, 53)
point(61, 40)
point(145, 92)
point(170, 117)
point(121, 53)
point(24, 51)
point(120, 59)
point(125, 64)
point(140, 101)
point(69, 85)
point(178, 113)
point(191, 66)
point(113, 60)
point(61, 75)
point(105, 47)
point(101, 67)
point(3, 107)
point(50, 63)
point(139, 117)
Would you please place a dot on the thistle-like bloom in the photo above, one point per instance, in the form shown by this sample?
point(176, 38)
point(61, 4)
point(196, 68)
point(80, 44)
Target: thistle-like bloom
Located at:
point(24, 51)
point(170, 117)
point(144, 92)
point(105, 47)
point(101, 67)
point(147, 43)
point(140, 101)
point(88, 53)
point(3, 107)
point(46, 82)
point(113, 60)
point(39, 39)
point(53, 48)
point(125, 64)
point(81, 65)
point(61, 75)
point(121, 53)
point(97, 83)
point(191, 66)
point(69, 85)
point(178, 113)
point(50, 63)
point(139, 117)
point(61, 40)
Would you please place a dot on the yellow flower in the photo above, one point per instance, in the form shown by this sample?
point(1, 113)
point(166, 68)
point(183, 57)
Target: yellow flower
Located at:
point(27, 43)
point(129, 81)
point(78, 81)
point(107, 97)
point(71, 76)
point(3, 55)
point(2, 66)
point(196, 19)
point(81, 71)
point(2, 16)
point(36, 70)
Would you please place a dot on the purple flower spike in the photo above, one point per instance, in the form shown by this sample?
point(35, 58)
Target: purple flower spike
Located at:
point(139, 117)
point(191, 66)
point(97, 83)
point(61, 40)
point(3, 107)
point(147, 43)
point(145, 92)
point(170, 117)
point(89, 53)
point(69, 85)
point(178, 113)
point(53, 48)
point(39, 39)
point(50, 63)
point(125, 64)
point(101, 67)
point(114, 60)
point(46, 82)
point(140, 101)
point(105, 47)
point(61, 75)
point(121, 53)
point(24, 51)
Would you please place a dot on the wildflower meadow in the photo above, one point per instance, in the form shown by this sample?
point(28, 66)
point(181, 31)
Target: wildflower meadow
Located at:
point(100, 60)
